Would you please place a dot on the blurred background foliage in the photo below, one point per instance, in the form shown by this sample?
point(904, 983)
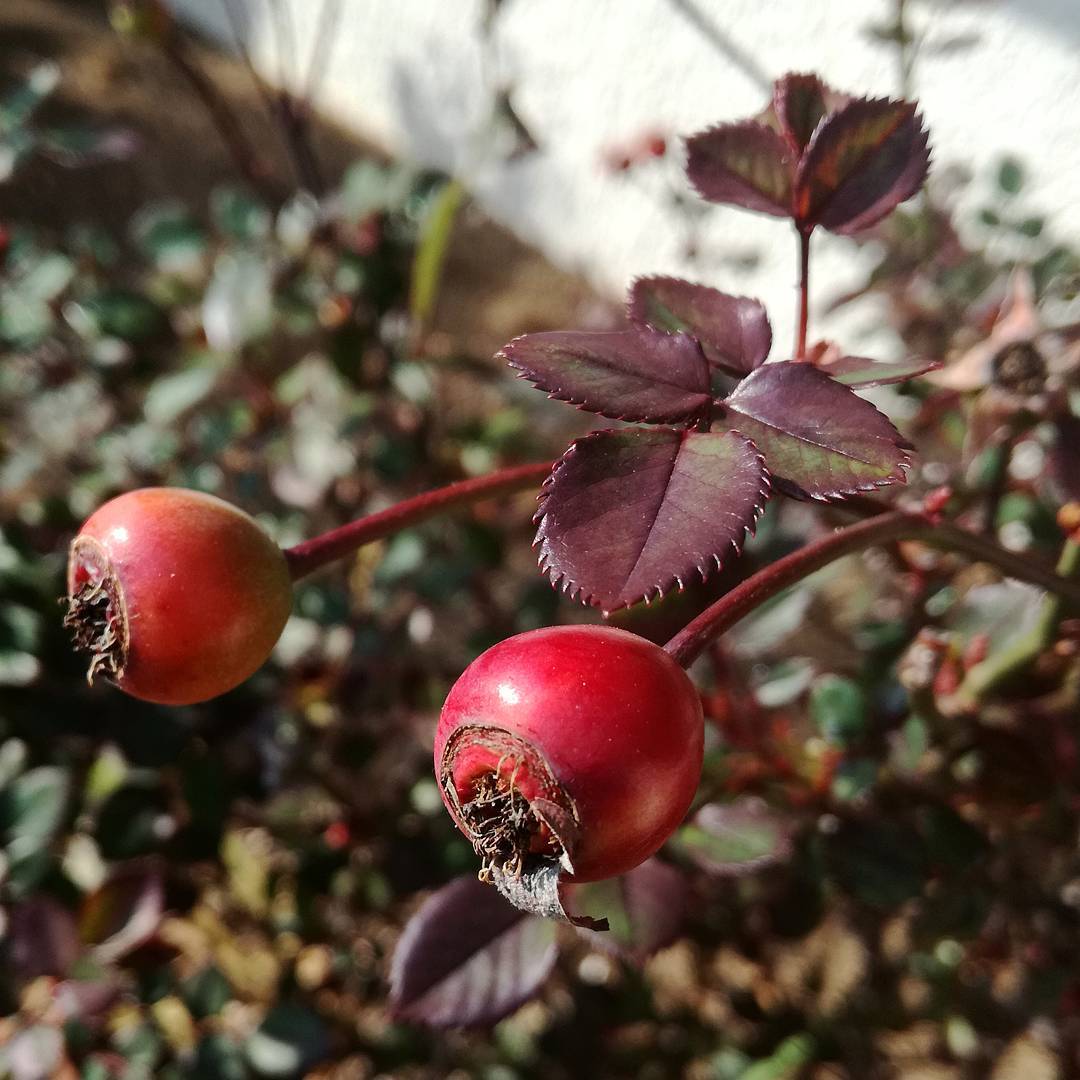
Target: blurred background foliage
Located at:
point(881, 877)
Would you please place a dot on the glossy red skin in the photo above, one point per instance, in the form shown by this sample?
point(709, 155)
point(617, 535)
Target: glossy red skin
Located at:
point(206, 591)
point(617, 720)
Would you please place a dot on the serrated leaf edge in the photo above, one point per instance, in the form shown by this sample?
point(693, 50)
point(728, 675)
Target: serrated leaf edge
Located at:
point(658, 592)
point(788, 487)
point(521, 372)
point(922, 145)
point(792, 160)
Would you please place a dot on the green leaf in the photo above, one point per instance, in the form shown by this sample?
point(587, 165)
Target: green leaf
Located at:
point(171, 237)
point(289, 1040)
point(219, 1058)
point(127, 315)
point(19, 104)
point(730, 839)
point(880, 863)
point(435, 234)
point(838, 708)
point(950, 840)
point(169, 397)
point(32, 808)
point(1010, 176)
point(207, 992)
point(854, 779)
point(789, 1057)
point(239, 215)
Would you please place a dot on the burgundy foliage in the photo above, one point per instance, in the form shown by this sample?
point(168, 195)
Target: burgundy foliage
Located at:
point(733, 331)
point(815, 156)
point(468, 958)
point(626, 515)
point(819, 438)
point(645, 909)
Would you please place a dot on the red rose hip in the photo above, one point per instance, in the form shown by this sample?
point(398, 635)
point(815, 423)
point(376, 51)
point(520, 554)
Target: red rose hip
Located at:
point(176, 595)
point(581, 744)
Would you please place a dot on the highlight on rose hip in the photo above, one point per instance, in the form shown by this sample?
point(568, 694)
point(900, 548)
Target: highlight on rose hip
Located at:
point(782, 698)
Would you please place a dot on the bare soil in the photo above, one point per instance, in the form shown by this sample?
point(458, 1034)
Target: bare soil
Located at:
point(495, 286)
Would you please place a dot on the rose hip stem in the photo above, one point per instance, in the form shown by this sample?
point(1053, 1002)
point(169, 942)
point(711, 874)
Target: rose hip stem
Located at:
point(318, 552)
point(885, 528)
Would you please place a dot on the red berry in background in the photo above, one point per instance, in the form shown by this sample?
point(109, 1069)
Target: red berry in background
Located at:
point(582, 744)
point(176, 595)
point(655, 145)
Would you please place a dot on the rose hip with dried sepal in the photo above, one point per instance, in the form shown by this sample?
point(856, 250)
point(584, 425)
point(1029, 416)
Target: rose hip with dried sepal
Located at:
point(578, 745)
point(176, 595)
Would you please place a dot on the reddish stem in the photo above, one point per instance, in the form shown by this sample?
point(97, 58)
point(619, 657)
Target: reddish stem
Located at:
point(316, 553)
point(885, 528)
point(804, 294)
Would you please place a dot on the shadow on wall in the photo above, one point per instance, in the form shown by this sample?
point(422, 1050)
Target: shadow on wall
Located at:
point(1060, 16)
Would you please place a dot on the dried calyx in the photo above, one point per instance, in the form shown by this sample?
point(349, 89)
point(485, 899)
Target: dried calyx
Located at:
point(518, 817)
point(506, 800)
point(1020, 368)
point(96, 614)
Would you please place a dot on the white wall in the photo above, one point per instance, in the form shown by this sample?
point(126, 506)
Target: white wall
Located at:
point(415, 75)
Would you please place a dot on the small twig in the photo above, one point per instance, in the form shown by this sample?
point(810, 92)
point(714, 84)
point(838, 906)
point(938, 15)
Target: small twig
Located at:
point(905, 55)
point(998, 483)
point(996, 670)
point(291, 115)
point(686, 645)
point(242, 51)
point(228, 127)
point(313, 554)
point(294, 114)
point(723, 44)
